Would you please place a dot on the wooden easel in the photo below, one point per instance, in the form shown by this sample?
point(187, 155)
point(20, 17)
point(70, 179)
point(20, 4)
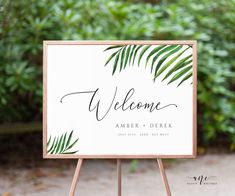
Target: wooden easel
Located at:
point(119, 174)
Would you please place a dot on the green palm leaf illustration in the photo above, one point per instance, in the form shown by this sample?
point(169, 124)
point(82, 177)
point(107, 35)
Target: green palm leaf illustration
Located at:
point(131, 53)
point(167, 60)
point(185, 78)
point(61, 144)
point(163, 68)
point(154, 51)
point(164, 50)
point(163, 59)
point(135, 53)
point(180, 74)
point(142, 53)
point(183, 62)
point(116, 62)
point(127, 55)
point(123, 52)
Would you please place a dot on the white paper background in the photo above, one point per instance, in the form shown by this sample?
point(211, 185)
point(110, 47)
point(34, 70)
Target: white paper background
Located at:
point(73, 68)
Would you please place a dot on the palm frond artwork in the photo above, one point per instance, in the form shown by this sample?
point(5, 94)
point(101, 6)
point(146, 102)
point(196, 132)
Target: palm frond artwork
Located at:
point(172, 62)
point(62, 144)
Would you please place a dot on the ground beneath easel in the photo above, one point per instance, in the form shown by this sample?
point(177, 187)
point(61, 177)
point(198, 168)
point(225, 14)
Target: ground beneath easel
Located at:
point(214, 175)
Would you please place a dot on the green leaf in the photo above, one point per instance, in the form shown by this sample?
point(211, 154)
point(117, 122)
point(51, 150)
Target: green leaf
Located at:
point(142, 53)
point(166, 49)
point(122, 53)
point(61, 144)
point(154, 51)
point(136, 50)
point(186, 78)
point(127, 55)
point(48, 143)
point(169, 63)
point(131, 54)
point(71, 145)
point(179, 64)
point(115, 63)
point(70, 137)
point(73, 152)
point(55, 146)
point(111, 57)
point(52, 146)
point(164, 58)
point(184, 64)
point(113, 47)
point(180, 74)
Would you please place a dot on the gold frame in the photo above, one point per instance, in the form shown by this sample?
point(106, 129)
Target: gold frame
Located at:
point(193, 43)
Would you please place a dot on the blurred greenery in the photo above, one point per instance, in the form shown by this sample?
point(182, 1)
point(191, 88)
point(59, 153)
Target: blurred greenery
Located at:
point(25, 24)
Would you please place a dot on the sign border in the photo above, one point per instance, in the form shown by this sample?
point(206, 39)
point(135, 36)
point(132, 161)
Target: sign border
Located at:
point(193, 43)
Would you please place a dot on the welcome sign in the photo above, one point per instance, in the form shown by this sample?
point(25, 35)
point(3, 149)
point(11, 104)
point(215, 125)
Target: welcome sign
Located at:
point(119, 99)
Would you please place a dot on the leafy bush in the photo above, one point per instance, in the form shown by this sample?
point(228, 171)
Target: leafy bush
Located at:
point(24, 24)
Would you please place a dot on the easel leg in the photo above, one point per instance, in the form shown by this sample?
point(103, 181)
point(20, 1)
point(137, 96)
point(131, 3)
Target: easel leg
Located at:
point(119, 174)
point(164, 178)
point(75, 177)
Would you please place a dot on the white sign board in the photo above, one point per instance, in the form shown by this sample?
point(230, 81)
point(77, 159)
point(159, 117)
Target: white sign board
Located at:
point(119, 99)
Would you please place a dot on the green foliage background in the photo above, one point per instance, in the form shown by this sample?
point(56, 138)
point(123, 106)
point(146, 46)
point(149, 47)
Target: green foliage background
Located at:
point(25, 24)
